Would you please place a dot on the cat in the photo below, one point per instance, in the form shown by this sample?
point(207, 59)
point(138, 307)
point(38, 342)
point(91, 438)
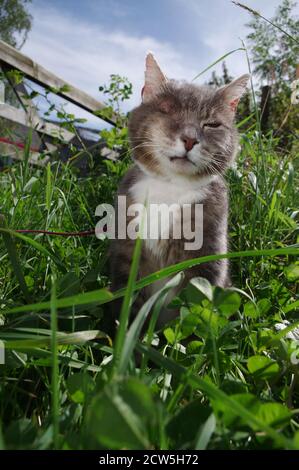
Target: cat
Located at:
point(183, 139)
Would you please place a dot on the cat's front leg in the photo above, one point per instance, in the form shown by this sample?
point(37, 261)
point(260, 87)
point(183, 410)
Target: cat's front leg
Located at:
point(216, 272)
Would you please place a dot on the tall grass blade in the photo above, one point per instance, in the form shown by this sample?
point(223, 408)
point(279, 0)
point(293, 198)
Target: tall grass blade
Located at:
point(135, 329)
point(96, 297)
point(49, 187)
point(27, 149)
point(55, 367)
point(173, 269)
point(216, 62)
point(2, 445)
point(204, 435)
point(256, 13)
point(102, 296)
point(35, 245)
point(126, 308)
point(79, 337)
point(14, 259)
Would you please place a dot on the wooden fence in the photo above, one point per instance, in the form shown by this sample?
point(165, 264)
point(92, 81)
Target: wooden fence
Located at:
point(27, 114)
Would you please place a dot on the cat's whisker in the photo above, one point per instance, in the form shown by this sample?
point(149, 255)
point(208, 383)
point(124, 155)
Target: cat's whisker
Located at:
point(144, 137)
point(213, 157)
point(144, 145)
point(215, 170)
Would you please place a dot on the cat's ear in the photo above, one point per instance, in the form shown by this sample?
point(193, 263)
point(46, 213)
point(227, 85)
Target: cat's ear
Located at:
point(153, 79)
point(234, 90)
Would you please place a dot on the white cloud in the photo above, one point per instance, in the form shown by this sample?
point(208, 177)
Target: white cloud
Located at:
point(222, 26)
point(86, 54)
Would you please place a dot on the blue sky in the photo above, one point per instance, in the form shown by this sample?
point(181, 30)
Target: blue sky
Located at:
point(85, 41)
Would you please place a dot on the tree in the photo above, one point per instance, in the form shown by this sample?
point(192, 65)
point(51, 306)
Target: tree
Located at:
point(274, 47)
point(274, 52)
point(217, 81)
point(15, 21)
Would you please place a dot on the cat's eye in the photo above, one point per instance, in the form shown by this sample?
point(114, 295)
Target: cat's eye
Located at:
point(212, 125)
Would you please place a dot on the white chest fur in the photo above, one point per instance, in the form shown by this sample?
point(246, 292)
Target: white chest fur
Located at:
point(152, 191)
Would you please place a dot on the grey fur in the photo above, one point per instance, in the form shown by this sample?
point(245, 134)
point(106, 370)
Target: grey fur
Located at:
point(178, 108)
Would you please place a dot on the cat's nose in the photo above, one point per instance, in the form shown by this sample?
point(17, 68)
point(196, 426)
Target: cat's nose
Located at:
point(189, 142)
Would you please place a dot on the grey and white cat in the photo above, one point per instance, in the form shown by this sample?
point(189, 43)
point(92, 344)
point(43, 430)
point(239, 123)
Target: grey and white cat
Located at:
point(183, 139)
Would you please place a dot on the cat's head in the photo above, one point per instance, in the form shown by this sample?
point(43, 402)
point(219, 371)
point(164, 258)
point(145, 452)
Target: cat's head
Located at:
point(182, 128)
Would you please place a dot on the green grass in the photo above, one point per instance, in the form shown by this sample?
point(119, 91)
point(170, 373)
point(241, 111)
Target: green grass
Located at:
point(218, 377)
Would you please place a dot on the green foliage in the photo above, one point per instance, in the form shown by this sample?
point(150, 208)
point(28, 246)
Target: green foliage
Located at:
point(118, 90)
point(274, 49)
point(223, 80)
point(15, 21)
point(122, 415)
point(275, 53)
point(218, 376)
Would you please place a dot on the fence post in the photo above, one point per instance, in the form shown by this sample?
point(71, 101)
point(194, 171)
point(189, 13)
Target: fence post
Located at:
point(265, 107)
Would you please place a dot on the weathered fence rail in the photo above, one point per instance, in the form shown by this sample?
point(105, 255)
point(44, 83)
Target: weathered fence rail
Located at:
point(27, 115)
point(12, 59)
